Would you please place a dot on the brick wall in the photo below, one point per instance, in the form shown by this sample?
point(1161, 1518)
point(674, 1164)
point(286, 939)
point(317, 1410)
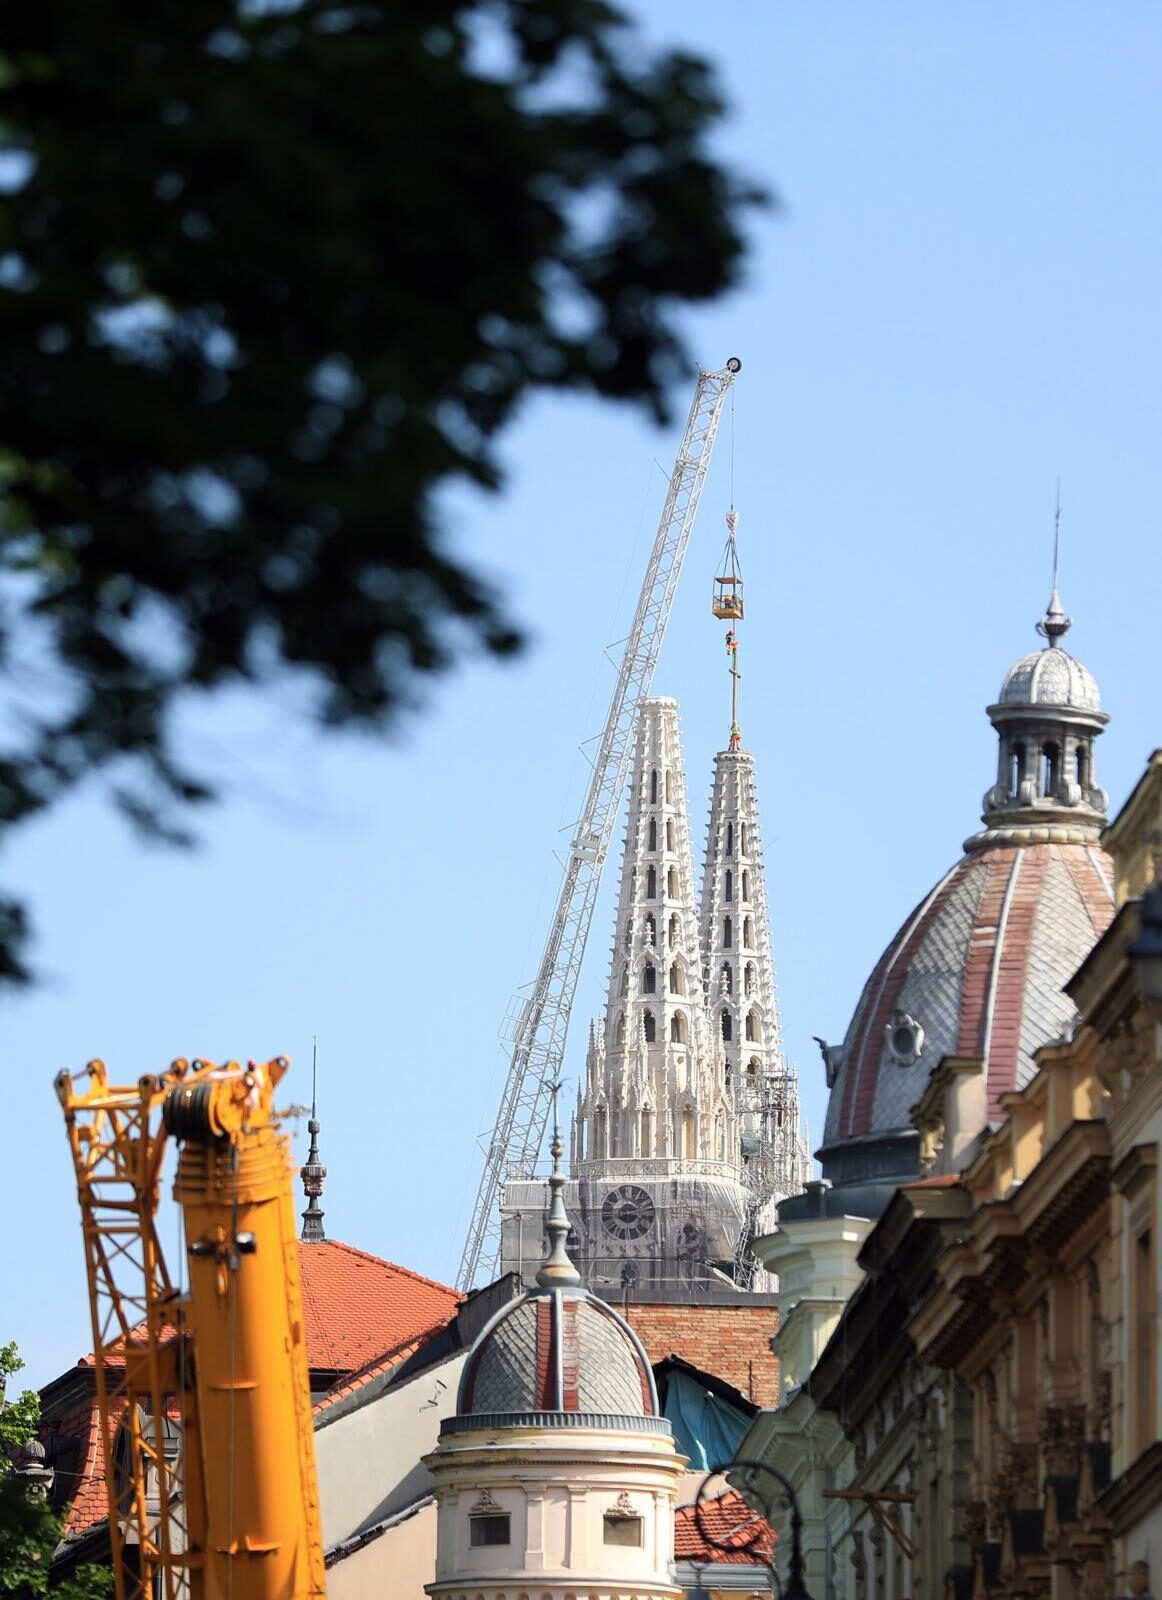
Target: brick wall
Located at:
point(730, 1342)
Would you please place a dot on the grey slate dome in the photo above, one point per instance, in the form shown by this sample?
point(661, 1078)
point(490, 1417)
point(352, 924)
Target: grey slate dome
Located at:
point(1050, 678)
point(558, 1350)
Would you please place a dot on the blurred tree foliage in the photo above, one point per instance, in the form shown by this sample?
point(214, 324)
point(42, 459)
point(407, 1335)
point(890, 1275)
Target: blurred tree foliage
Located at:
point(271, 273)
point(29, 1532)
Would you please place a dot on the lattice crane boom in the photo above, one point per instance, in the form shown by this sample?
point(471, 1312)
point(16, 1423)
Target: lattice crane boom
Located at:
point(542, 1025)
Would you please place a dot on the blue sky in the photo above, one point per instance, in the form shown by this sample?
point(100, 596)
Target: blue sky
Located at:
point(955, 304)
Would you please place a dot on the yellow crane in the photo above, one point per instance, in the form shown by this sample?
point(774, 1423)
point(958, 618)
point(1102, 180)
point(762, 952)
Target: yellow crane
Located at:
point(224, 1505)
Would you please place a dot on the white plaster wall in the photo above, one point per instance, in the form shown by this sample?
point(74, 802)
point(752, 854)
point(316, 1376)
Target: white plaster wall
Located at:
point(369, 1460)
point(394, 1566)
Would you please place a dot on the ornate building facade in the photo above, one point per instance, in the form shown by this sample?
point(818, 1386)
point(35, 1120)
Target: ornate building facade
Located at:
point(878, 1432)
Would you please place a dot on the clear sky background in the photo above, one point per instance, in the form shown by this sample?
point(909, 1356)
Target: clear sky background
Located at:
point(956, 303)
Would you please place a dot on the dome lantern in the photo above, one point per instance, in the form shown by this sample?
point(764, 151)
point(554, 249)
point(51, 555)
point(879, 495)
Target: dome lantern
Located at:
point(1047, 716)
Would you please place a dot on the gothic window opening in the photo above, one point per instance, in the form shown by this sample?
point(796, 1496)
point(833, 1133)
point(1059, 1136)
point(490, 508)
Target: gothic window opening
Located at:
point(651, 883)
point(727, 1027)
point(720, 1137)
point(742, 838)
point(752, 1068)
point(669, 833)
point(745, 884)
point(628, 932)
point(654, 787)
point(727, 933)
point(728, 886)
point(678, 1029)
point(753, 1031)
point(748, 979)
point(651, 928)
point(653, 834)
point(649, 978)
point(647, 1133)
point(672, 883)
point(669, 788)
point(677, 982)
point(650, 1026)
point(727, 978)
point(747, 934)
point(675, 931)
point(689, 1134)
point(624, 979)
point(619, 1030)
point(730, 838)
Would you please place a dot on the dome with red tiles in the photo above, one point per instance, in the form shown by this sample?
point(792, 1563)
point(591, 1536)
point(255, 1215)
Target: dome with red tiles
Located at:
point(978, 967)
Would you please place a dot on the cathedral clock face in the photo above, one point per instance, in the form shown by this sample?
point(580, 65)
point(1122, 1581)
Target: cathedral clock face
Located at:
point(627, 1212)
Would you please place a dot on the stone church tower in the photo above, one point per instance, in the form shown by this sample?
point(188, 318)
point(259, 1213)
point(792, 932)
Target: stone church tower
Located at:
point(656, 1196)
point(741, 996)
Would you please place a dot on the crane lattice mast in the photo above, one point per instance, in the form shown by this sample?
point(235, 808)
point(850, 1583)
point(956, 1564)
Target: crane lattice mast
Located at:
point(542, 1023)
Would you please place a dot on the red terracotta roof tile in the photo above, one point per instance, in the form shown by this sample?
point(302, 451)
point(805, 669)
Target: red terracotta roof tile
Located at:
point(359, 1309)
point(749, 1538)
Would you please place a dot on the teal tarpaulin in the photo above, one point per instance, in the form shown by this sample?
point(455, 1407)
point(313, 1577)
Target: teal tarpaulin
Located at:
point(706, 1427)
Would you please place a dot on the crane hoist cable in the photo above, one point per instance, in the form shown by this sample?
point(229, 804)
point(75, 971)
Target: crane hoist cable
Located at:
point(541, 1024)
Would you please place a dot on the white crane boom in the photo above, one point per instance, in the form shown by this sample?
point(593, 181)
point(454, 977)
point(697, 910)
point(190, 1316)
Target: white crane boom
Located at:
point(542, 1024)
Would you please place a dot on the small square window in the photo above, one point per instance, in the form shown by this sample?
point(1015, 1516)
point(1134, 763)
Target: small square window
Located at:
point(489, 1530)
point(623, 1530)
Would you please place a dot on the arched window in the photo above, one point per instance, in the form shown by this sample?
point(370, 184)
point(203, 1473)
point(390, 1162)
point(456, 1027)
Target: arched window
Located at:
point(672, 883)
point(1083, 757)
point(651, 928)
point(678, 1033)
point(624, 980)
point(747, 934)
point(677, 982)
point(742, 838)
point(1050, 768)
point(752, 1067)
point(651, 883)
point(619, 1030)
point(728, 886)
point(727, 933)
point(727, 1027)
point(653, 834)
point(628, 932)
point(669, 788)
point(650, 1026)
point(727, 978)
point(669, 833)
point(730, 838)
point(649, 978)
point(745, 884)
point(654, 787)
point(752, 1027)
point(1016, 767)
point(675, 931)
point(748, 979)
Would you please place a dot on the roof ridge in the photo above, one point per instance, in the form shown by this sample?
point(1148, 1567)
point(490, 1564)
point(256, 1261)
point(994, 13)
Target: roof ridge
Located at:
point(382, 1261)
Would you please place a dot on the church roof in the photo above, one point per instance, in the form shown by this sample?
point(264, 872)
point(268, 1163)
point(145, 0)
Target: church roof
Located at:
point(976, 970)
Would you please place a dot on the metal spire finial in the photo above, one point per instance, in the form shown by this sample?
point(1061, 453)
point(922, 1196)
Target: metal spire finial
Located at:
point(314, 1171)
point(1055, 624)
point(558, 1272)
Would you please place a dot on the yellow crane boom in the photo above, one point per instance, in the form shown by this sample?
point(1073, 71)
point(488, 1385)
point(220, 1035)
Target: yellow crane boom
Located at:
point(233, 1512)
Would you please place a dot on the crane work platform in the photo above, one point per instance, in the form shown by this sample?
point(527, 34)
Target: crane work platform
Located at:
point(727, 604)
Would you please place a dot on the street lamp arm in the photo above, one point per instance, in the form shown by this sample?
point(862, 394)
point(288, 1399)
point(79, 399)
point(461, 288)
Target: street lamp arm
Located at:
point(795, 1588)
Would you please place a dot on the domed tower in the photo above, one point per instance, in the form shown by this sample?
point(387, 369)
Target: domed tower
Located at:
point(976, 971)
point(557, 1469)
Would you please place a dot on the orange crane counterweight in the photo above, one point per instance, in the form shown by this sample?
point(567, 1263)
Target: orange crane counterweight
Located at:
point(239, 1516)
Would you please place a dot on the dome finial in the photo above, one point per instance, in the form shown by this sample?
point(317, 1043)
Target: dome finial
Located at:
point(558, 1271)
point(314, 1171)
point(1055, 624)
